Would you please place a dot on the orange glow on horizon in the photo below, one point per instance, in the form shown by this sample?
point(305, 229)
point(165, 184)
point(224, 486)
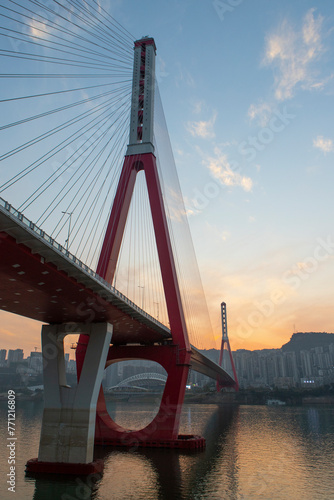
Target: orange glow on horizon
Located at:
point(17, 332)
point(22, 333)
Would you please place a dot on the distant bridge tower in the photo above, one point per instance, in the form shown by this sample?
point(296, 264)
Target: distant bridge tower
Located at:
point(225, 341)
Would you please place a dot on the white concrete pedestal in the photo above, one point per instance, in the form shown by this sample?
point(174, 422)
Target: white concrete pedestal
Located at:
point(68, 425)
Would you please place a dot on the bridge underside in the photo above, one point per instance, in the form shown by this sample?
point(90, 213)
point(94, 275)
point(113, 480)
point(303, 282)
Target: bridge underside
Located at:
point(54, 292)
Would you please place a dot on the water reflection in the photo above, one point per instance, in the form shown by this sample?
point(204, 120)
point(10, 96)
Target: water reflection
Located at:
point(252, 452)
point(313, 423)
point(149, 473)
point(58, 488)
point(174, 473)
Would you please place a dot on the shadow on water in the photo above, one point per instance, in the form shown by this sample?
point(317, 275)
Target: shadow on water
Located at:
point(173, 473)
point(54, 487)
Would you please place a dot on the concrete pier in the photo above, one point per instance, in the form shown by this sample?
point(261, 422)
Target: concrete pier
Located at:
point(68, 425)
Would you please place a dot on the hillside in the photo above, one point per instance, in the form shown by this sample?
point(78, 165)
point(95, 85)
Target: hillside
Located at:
point(308, 340)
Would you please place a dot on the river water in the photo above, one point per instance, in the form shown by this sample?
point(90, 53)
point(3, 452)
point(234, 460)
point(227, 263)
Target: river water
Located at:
point(252, 452)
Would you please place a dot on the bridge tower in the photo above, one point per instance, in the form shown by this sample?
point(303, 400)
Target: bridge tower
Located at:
point(173, 355)
point(225, 341)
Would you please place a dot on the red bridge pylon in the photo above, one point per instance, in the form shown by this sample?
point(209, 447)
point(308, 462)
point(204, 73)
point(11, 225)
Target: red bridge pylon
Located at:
point(173, 355)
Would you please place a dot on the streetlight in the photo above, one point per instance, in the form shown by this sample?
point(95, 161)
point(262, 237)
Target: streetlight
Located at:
point(69, 227)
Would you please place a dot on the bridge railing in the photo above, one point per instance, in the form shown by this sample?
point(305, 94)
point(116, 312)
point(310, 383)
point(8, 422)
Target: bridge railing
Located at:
point(28, 224)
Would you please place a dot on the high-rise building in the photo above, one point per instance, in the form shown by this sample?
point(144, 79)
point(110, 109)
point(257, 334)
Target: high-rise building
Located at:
point(308, 356)
point(3, 353)
point(15, 356)
point(307, 364)
point(36, 361)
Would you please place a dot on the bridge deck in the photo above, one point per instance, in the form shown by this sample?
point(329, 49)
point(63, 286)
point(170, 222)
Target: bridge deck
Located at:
point(41, 280)
point(200, 363)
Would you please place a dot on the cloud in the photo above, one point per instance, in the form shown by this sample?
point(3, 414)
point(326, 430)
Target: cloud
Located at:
point(177, 210)
point(293, 53)
point(6, 333)
point(260, 112)
point(325, 145)
point(225, 235)
point(217, 233)
point(221, 169)
point(198, 107)
point(203, 128)
point(184, 77)
point(38, 29)
point(190, 212)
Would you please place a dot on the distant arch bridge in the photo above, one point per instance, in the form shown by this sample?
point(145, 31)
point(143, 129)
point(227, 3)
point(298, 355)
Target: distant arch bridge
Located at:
point(138, 378)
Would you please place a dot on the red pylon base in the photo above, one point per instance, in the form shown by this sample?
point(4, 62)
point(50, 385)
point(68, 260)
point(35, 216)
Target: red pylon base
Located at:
point(162, 432)
point(34, 466)
point(184, 441)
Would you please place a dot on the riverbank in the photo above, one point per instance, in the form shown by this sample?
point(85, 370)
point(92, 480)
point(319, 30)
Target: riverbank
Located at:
point(222, 398)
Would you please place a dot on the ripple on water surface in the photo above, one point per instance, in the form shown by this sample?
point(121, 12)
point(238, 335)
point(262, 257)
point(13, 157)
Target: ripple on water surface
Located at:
point(252, 452)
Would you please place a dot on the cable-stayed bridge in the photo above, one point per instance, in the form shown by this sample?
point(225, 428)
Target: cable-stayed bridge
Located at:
point(141, 247)
point(40, 279)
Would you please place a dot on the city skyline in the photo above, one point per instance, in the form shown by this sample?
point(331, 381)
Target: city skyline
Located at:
point(306, 361)
point(250, 121)
point(71, 352)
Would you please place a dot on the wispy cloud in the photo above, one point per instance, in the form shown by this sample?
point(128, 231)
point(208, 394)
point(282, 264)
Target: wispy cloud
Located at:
point(325, 145)
point(260, 112)
point(292, 53)
point(39, 29)
point(198, 107)
point(184, 77)
point(7, 333)
point(217, 233)
point(176, 208)
point(202, 128)
point(221, 169)
point(190, 212)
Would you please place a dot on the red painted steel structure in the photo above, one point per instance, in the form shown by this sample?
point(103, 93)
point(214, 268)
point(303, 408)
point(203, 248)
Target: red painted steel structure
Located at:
point(175, 356)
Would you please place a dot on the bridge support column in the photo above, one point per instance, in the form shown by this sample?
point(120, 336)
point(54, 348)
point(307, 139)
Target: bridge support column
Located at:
point(68, 425)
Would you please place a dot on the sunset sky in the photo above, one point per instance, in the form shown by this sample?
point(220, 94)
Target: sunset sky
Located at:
point(247, 89)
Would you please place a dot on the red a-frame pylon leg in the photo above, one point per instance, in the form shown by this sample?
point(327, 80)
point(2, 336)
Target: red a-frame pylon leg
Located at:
point(115, 230)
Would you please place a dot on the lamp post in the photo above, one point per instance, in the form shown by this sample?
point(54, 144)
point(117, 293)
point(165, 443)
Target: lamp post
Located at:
point(69, 227)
